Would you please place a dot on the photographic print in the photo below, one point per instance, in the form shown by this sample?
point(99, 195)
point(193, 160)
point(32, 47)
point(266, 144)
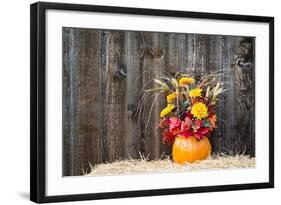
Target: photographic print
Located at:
point(131, 102)
point(139, 102)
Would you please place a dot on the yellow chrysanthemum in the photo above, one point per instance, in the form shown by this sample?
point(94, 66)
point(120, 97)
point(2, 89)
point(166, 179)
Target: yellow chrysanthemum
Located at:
point(196, 92)
point(186, 81)
point(199, 110)
point(167, 110)
point(171, 97)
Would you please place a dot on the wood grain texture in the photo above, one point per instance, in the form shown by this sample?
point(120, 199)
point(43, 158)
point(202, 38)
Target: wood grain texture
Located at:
point(103, 76)
point(114, 98)
point(70, 153)
point(133, 94)
point(88, 113)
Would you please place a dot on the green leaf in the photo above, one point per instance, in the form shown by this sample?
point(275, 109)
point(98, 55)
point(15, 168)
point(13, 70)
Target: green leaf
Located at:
point(185, 103)
point(207, 124)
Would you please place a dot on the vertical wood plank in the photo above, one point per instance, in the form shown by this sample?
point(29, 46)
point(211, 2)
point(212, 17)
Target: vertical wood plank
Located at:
point(65, 104)
point(147, 66)
point(245, 94)
point(152, 65)
point(103, 38)
point(215, 64)
point(228, 98)
point(114, 102)
point(88, 99)
point(133, 94)
point(159, 44)
point(252, 126)
point(70, 154)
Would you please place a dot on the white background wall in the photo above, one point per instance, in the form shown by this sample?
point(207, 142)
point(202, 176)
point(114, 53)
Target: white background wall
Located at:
point(14, 100)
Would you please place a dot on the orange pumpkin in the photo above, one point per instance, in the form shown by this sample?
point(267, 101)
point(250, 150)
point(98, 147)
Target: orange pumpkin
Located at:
point(190, 149)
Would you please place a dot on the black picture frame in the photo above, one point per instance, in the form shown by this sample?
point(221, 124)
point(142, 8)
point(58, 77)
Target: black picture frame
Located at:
point(38, 100)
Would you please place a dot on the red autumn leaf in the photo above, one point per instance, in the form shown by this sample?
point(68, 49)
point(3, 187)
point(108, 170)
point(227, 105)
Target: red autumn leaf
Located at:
point(203, 131)
point(164, 123)
point(189, 115)
point(186, 133)
point(174, 123)
point(186, 124)
point(199, 123)
point(168, 137)
point(198, 136)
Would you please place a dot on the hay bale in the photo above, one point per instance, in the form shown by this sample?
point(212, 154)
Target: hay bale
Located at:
point(139, 166)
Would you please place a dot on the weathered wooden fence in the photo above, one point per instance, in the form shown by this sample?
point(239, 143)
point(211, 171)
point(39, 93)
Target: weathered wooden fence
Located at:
point(103, 75)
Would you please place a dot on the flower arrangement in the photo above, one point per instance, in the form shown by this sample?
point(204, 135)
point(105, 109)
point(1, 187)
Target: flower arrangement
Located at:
point(190, 105)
